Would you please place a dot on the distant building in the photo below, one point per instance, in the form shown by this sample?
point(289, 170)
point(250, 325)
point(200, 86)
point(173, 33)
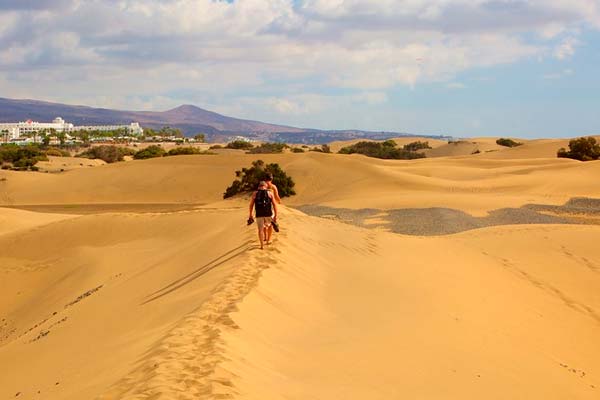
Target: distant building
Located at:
point(240, 139)
point(133, 129)
point(16, 130)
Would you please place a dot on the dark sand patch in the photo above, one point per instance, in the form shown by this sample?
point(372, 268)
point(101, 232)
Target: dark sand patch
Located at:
point(444, 221)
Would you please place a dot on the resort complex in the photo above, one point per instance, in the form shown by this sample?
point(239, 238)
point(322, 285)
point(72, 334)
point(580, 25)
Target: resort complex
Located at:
point(27, 131)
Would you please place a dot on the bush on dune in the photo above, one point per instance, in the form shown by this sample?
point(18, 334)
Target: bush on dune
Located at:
point(152, 151)
point(582, 149)
point(107, 153)
point(385, 150)
point(183, 151)
point(418, 145)
point(323, 149)
point(268, 148)
point(21, 157)
point(247, 179)
point(507, 142)
point(239, 145)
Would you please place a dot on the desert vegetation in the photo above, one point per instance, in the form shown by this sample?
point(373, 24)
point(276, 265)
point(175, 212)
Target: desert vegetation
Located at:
point(247, 179)
point(415, 146)
point(268, 148)
point(239, 145)
point(111, 154)
point(386, 150)
point(324, 148)
point(107, 153)
point(21, 158)
point(152, 151)
point(582, 149)
point(506, 142)
point(186, 150)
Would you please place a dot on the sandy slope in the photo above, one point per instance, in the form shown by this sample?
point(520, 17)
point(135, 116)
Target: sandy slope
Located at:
point(472, 184)
point(83, 299)
point(148, 303)
point(154, 306)
point(60, 164)
point(17, 220)
point(370, 315)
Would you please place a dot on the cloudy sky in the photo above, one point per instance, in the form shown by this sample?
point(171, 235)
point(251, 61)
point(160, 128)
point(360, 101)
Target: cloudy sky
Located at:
point(525, 68)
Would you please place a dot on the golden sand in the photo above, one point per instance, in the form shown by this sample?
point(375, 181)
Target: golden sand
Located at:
point(179, 303)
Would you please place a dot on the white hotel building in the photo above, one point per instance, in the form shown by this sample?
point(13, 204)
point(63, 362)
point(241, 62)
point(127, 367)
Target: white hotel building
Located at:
point(15, 130)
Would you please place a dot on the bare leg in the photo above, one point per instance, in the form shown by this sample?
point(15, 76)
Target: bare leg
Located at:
point(269, 233)
point(260, 237)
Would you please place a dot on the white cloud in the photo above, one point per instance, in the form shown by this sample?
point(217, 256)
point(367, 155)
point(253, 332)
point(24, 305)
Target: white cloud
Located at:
point(142, 49)
point(566, 48)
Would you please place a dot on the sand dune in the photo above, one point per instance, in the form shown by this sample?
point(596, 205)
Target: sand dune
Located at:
point(17, 220)
point(83, 299)
point(142, 283)
point(387, 317)
point(60, 164)
point(140, 306)
point(471, 184)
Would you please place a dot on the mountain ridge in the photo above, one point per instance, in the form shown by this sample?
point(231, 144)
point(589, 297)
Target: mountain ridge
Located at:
point(190, 119)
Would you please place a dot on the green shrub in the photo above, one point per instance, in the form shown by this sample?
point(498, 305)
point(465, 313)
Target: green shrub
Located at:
point(106, 153)
point(182, 151)
point(215, 146)
point(507, 142)
point(239, 145)
point(21, 157)
point(268, 148)
point(415, 146)
point(297, 150)
point(248, 178)
point(152, 151)
point(323, 149)
point(385, 150)
point(582, 149)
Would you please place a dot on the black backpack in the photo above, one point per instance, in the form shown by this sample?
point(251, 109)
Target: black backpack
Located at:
point(262, 202)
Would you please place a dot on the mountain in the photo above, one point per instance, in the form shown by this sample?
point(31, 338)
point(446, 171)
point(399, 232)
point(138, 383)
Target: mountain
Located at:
point(190, 119)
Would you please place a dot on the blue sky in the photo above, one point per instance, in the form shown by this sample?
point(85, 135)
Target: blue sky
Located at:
point(523, 68)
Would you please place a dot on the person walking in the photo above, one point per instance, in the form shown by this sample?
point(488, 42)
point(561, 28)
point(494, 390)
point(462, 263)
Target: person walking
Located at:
point(264, 205)
point(271, 187)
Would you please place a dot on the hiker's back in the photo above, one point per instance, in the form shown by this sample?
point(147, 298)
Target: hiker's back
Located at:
point(262, 203)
